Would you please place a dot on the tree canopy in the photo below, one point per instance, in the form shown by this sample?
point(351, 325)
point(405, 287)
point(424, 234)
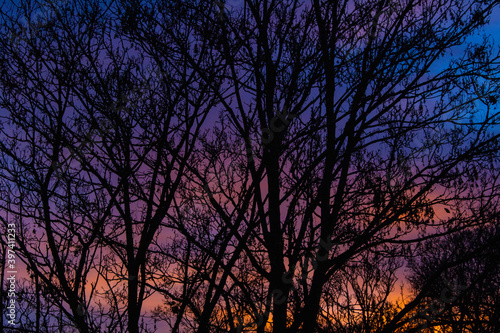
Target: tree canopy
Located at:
point(250, 166)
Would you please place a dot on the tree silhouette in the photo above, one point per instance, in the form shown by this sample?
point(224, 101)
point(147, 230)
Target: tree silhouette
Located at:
point(467, 284)
point(264, 166)
point(96, 141)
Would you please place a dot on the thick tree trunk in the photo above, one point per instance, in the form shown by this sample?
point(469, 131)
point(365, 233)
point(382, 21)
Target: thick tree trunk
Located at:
point(311, 309)
point(133, 308)
point(79, 318)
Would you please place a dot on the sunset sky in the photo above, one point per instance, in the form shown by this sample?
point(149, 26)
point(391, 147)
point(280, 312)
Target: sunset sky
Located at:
point(353, 167)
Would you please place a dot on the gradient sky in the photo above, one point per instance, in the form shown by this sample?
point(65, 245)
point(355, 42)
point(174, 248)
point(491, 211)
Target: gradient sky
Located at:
point(493, 29)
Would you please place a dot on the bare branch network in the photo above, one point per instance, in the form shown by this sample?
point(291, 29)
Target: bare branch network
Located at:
point(249, 166)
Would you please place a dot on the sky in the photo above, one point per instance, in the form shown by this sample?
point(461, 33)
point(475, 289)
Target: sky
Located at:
point(493, 28)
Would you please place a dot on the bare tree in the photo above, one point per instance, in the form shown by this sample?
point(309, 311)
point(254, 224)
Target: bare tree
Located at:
point(57, 209)
point(463, 295)
point(95, 145)
point(344, 139)
point(263, 165)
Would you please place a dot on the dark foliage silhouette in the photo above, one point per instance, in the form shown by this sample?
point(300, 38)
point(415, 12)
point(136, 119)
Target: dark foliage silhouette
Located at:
point(259, 166)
